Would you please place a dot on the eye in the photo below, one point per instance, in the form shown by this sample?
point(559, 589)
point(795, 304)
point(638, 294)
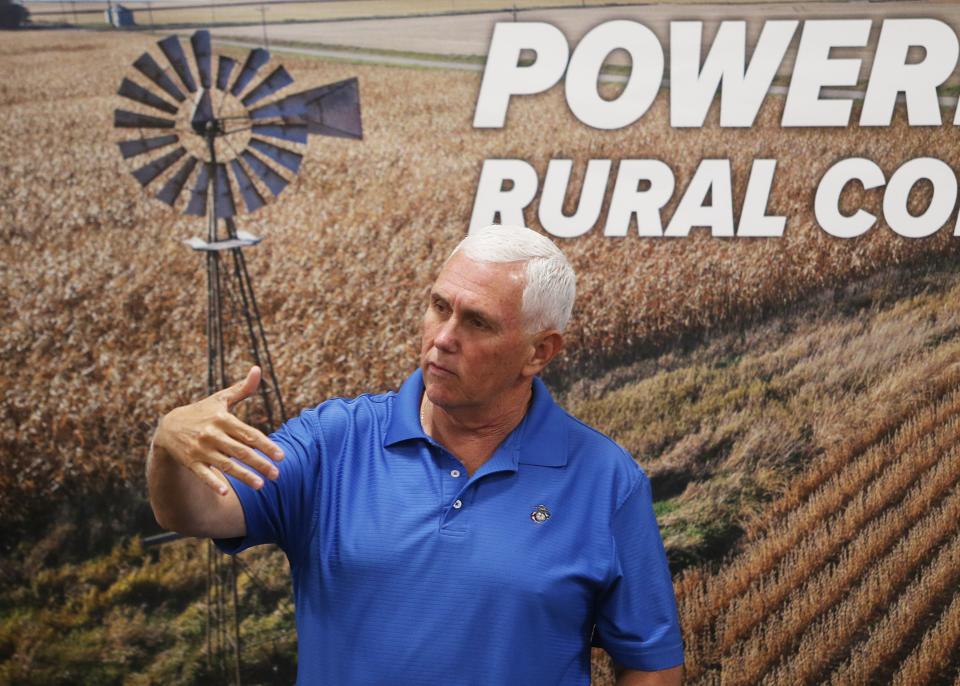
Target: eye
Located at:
point(478, 323)
point(439, 305)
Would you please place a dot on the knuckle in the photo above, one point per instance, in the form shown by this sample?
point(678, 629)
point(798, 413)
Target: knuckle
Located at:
point(206, 434)
point(229, 467)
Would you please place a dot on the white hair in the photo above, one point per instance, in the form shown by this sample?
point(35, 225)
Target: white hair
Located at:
point(550, 285)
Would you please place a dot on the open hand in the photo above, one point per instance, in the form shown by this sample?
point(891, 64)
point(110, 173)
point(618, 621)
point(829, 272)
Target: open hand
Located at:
point(204, 435)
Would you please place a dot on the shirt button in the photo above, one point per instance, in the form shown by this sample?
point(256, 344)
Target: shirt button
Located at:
point(457, 504)
point(454, 473)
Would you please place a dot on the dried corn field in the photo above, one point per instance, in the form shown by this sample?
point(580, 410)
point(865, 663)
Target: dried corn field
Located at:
point(105, 329)
point(845, 411)
point(854, 579)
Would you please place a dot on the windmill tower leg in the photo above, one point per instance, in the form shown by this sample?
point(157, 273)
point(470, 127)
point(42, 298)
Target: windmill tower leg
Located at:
point(223, 576)
point(259, 348)
point(221, 281)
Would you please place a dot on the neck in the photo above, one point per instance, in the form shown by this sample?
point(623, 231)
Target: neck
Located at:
point(475, 432)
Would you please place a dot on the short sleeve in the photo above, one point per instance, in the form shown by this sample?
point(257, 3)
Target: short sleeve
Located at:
point(283, 511)
point(637, 622)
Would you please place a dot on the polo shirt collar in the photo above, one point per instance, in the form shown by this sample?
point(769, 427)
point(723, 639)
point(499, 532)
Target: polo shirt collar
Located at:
point(540, 439)
point(404, 421)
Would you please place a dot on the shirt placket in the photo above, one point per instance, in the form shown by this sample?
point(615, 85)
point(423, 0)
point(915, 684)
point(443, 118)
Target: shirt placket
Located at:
point(454, 492)
point(459, 491)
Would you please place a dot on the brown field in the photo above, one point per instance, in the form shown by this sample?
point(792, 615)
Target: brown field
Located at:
point(463, 27)
point(173, 11)
point(104, 307)
point(869, 557)
point(347, 250)
point(470, 34)
point(206, 11)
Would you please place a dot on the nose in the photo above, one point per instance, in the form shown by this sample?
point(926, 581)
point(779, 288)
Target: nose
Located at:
point(446, 337)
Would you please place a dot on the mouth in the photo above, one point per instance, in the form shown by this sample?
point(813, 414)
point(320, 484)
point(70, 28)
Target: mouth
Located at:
point(434, 368)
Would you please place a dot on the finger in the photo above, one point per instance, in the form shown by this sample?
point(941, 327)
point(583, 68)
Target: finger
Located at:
point(247, 455)
point(208, 477)
point(251, 436)
point(242, 389)
point(228, 466)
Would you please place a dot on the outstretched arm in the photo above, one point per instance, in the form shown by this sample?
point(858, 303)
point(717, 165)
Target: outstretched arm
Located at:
point(189, 452)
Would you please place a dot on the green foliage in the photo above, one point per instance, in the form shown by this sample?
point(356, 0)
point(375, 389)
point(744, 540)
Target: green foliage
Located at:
point(132, 617)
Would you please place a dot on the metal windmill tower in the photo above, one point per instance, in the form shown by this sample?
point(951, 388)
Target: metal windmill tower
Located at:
point(226, 134)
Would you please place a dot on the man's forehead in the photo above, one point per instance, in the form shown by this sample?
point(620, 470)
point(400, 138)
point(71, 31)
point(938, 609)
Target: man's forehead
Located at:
point(471, 280)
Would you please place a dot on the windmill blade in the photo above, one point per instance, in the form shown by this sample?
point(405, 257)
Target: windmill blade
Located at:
point(178, 60)
point(278, 79)
point(222, 195)
point(295, 133)
point(152, 170)
point(202, 113)
point(123, 119)
point(149, 68)
point(200, 41)
point(171, 189)
point(225, 66)
point(270, 178)
point(136, 92)
point(251, 196)
point(198, 194)
point(138, 146)
point(256, 59)
point(289, 159)
point(331, 110)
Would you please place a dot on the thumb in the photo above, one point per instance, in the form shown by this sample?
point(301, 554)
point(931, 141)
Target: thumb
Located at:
point(242, 389)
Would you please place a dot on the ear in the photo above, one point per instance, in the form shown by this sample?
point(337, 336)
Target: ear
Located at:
point(544, 347)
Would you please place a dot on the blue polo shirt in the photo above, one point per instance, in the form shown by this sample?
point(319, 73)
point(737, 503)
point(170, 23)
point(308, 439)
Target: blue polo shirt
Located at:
point(407, 571)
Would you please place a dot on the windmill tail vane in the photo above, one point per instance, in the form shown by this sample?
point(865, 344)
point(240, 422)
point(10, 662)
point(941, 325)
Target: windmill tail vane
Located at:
point(191, 98)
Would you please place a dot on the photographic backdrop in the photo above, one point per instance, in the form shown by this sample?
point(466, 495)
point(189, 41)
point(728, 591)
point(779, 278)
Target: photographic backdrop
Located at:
point(795, 400)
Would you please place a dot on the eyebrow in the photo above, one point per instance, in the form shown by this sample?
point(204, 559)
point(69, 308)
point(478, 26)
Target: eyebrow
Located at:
point(468, 311)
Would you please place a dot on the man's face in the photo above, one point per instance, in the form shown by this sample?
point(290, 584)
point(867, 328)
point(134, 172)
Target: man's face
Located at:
point(473, 347)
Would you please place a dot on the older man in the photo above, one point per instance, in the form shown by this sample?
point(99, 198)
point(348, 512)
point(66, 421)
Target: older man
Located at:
point(464, 529)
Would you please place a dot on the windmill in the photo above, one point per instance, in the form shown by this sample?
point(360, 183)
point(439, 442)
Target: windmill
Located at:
point(225, 132)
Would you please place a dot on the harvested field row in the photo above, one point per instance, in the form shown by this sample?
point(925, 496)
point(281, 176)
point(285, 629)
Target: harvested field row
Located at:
point(702, 603)
point(780, 605)
point(887, 637)
point(831, 634)
point(828, 584)
point(937, 651)
point(862, 540)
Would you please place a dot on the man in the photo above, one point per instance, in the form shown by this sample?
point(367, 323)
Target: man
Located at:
point(462, 530)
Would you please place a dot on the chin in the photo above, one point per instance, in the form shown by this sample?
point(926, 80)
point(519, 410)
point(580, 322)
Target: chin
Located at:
point(440, 395)
point(435, 393)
